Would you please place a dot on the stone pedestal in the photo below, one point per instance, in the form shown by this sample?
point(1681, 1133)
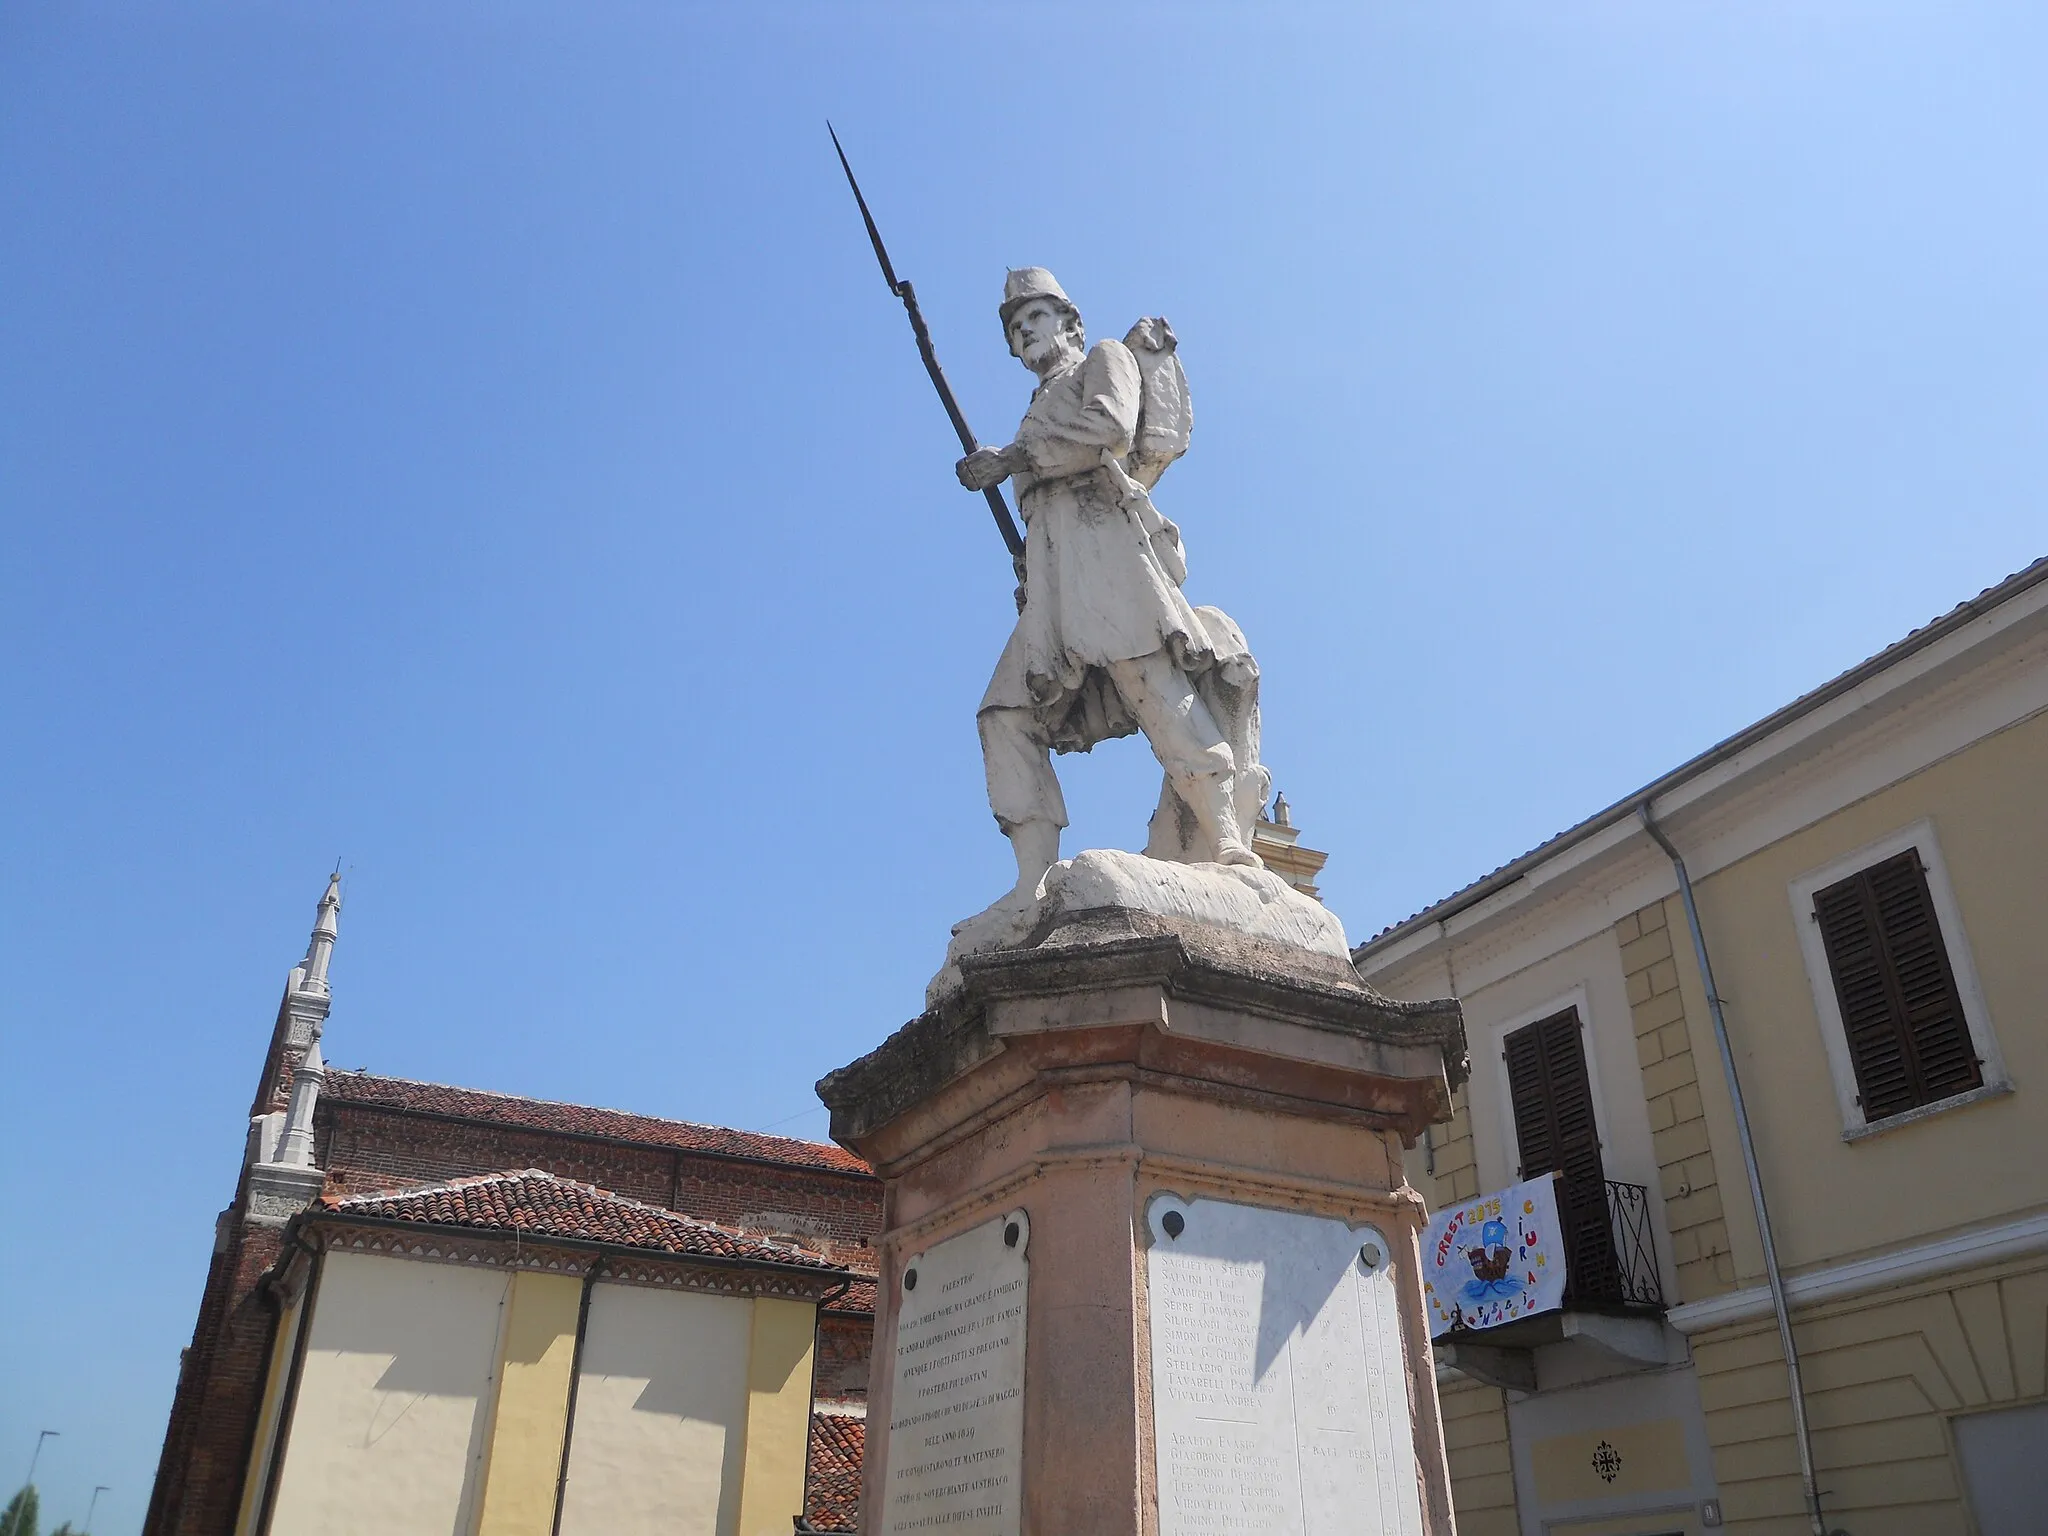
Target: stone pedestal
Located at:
point(1142, 1155)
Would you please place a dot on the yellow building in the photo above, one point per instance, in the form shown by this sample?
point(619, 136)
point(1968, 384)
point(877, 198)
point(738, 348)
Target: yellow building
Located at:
point(522, 1355)
point(1868, 869)
point(646, 1326)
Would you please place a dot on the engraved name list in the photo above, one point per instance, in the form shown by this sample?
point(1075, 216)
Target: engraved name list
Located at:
point(956, 1409)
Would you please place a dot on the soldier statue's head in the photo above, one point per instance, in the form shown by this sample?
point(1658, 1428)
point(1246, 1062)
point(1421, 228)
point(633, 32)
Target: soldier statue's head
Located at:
point(1040, 322)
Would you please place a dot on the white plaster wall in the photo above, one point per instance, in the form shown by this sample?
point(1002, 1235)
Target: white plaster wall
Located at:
point(391, 1400)
point(661, 1409)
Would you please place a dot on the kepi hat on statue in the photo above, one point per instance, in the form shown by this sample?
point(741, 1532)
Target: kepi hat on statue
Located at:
point(1023, 284)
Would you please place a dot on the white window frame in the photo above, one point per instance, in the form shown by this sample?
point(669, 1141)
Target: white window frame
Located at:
point(1511, 1136)
point(1828, 1008)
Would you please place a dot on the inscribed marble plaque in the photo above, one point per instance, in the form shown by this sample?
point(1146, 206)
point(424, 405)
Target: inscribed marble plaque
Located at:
point(1279, 1378)
point(956, 1410)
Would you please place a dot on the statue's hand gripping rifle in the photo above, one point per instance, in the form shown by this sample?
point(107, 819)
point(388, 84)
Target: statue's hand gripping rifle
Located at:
point(998, 507)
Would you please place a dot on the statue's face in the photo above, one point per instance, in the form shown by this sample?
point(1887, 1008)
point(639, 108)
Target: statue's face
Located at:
point(1039, 335)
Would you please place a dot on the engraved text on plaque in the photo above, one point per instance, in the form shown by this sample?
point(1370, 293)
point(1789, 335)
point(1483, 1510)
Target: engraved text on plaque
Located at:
point(956, 1409)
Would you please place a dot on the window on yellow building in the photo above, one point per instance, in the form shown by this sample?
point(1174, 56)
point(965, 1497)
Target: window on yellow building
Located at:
point(1557, 1132)
point(1901, 1012)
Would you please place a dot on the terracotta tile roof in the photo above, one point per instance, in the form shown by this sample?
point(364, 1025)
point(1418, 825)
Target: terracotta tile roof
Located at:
point(832, 1501)
point(580, 1120)
point(1898, 650)
point(859, 1298)
point(537, 1203)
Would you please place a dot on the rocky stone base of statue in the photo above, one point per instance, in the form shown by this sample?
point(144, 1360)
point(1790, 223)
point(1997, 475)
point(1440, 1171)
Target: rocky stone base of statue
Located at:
point(1237, 902)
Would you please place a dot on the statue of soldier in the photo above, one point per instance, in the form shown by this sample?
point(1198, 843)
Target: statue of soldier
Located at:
point(1105, 643)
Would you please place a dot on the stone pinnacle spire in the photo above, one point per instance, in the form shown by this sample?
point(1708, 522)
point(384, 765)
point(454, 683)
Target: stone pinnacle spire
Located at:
point(303, 1013)
point(295, 1147)
point(320, 948)
point(281, 1177)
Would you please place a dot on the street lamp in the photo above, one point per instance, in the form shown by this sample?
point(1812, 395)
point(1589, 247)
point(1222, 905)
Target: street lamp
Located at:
point(97, 1490)
point(48, 1434)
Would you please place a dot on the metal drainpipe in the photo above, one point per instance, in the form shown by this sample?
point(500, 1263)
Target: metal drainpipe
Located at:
point(288, 1400)
point(1800, 1433)
point(803, 1519)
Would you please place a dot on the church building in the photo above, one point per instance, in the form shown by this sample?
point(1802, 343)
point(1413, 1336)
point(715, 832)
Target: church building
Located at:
point(434, 1309)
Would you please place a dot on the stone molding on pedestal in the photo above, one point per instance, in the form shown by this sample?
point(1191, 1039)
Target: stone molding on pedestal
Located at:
point(1192, 970)
point(1111, 1063)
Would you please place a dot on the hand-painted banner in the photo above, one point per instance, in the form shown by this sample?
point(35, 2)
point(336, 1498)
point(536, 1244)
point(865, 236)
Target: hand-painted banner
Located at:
point(1494, 1259)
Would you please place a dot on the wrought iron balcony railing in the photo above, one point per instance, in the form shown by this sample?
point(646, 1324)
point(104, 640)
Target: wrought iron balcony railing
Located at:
point(1612, 1258)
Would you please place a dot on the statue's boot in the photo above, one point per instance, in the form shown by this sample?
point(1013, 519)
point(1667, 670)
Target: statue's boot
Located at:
point(1209, 797)
point(1037, 846)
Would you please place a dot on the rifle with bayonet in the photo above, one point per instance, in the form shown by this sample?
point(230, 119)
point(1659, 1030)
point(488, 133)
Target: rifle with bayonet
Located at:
point(998, 505)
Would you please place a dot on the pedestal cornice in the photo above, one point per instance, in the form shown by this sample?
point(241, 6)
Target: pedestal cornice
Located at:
point(1127, 993)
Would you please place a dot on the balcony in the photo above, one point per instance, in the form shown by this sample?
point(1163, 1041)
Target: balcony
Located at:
point(1611, 1319)
point(1613, 1264)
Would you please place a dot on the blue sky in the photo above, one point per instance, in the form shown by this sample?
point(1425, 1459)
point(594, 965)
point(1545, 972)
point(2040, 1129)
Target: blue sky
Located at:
point(472, 440)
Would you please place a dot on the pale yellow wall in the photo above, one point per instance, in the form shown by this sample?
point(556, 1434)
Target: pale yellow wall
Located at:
point(1830, 1198)
point(1883, 1375)
point(538, 1351)
point(1708, 1214)
point(282, 1347)
point(1482, 1467)
point(1650, 1461)
point(661, 1412)
point(778, 1415)
point(387, 1420)
point(1443, 1165)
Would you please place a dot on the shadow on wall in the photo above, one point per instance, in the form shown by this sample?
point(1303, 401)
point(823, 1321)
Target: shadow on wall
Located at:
point(661, 1409)
point(422, 1369)
point(394, 1397)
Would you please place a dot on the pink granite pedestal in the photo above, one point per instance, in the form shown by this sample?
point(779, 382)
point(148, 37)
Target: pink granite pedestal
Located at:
point(1120, 1057)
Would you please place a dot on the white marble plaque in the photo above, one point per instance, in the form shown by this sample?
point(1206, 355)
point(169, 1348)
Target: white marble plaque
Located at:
point(1279, 1382)
point(956, 1410)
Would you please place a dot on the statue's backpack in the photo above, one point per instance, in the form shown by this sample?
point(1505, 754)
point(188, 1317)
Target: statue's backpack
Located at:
point(1165, 418)
point(1166, 414)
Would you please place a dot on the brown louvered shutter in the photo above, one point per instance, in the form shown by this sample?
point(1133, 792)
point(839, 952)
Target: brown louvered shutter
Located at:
point(1907, 1037)
point(1554, 1126)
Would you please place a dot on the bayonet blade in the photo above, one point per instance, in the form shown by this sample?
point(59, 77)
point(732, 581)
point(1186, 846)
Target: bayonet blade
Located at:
point(998, 505)
point(874, 234)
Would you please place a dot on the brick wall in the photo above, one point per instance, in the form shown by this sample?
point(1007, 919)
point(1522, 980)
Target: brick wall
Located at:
point(1678, 1128)
point(206, 1444)
point(198, 1485)
point(172, 1461)
point(370, 1147)
point(845, 1344)
point(366, 1148)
